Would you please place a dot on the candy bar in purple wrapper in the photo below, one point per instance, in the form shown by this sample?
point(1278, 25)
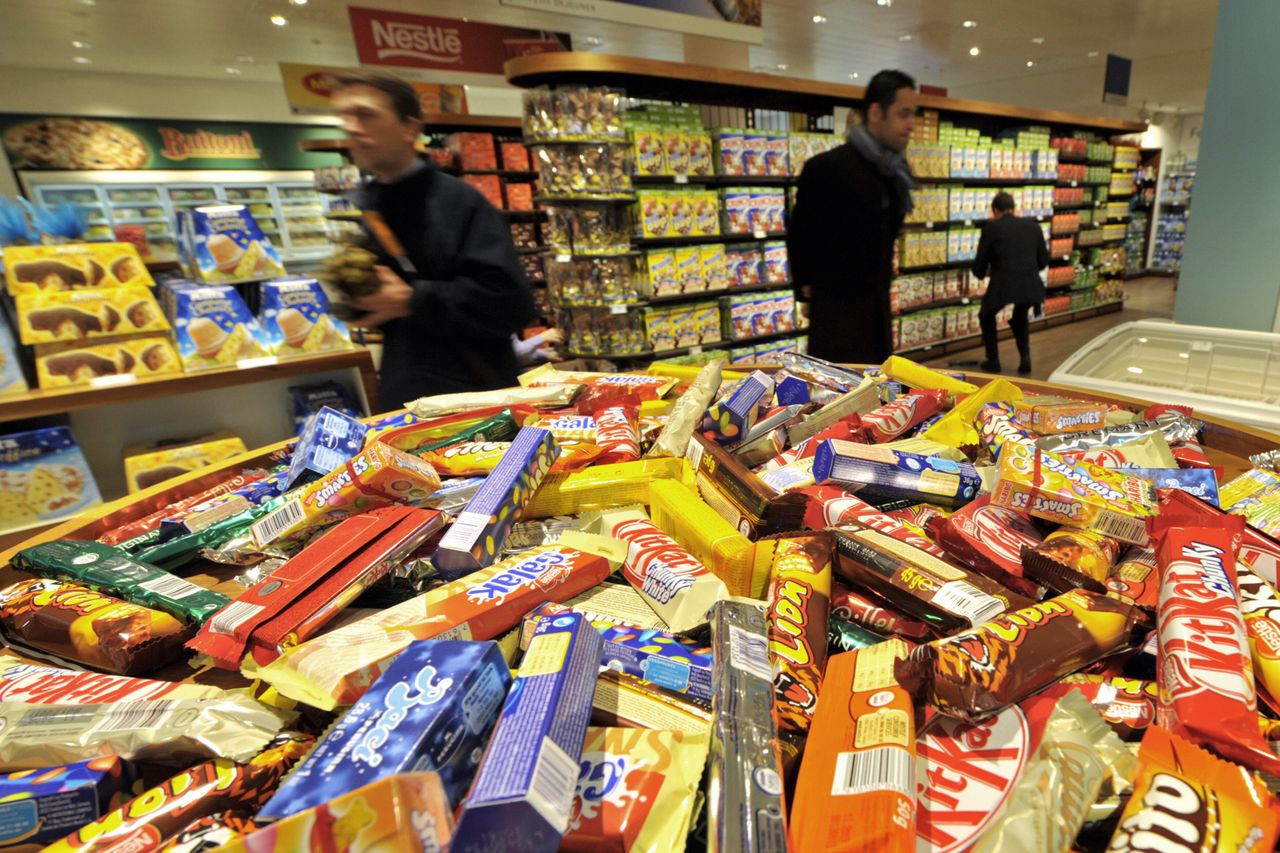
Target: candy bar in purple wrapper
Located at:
point(729, 420)
point(433, 709)
point(877, 471)
point(476, 537)
point(329, 439)
point(523, 794)
point(40, 807)
point(1200, 482)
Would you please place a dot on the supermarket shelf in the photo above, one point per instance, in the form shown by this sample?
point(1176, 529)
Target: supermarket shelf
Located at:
point(724, 291)
point(1059, 319)
point(672, 353)
point(706, 239)
point(931, 267)
point(40, 403)
point(939, 303)
point(945, 224)
point(531, 250)
point(524, 214)
point(987, 182)
point(584, 199)
point(502, 173)
point(725, 180)
point(584, 256)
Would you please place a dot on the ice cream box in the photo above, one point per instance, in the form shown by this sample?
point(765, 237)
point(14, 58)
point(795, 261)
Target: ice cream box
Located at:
point(72, 266)
point(148, 464)
point(60, 315)
point(43, 477)
point(224, 244)
point(12, 381)
point(295, 319)
point(213, 327)
point(76, 363)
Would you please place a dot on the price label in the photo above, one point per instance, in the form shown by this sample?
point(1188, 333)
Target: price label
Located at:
point(113, 381)
point(249, 363)
point(682, 179)
point(928, 225)
point(618, 308)
point(964, 300)
point(968, 223)
point(1074, 184)
point(563, 259)
point(759, 234)
point(695, 350)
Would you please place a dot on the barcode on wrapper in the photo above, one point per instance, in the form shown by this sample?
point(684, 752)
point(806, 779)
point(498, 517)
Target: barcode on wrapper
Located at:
point(266, 529)
point(887, 768)
point(968, 602)
point(235, 614)
point(467, 528)
point(555, 779)
point(750, 653)
point(131, 716)
point(1126, 528)
point(171, 587)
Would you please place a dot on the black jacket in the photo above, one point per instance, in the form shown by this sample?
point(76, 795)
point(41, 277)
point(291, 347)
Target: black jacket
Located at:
point(1012, 249)
point(469, 295)
point(840, 245)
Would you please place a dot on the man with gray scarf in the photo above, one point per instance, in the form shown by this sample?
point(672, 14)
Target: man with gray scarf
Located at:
point(849, 208)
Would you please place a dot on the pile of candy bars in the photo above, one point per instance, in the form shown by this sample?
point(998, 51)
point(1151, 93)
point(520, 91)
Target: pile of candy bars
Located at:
point(810, 609)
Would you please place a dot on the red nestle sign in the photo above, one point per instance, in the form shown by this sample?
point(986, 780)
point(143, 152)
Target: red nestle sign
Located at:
point(422, 41)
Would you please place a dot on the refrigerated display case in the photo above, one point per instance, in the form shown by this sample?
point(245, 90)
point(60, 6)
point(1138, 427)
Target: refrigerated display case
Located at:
point(285, 203)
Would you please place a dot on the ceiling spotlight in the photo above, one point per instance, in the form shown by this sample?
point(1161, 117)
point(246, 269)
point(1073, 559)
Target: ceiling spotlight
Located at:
point(81, 45)
point(81, 60)
point(968, 25)
point(231, 69)
point(781, 66)
point(245, 58)
point(1093, 53)
point(884, 2)
point(1038, 40)
point(1031, 63)
point(974, 51)
point(297, 2)
point(819, 19)
point(88, 2)
point(279, 20)
point(593, 41)
point(905, 37)
point(853, 76)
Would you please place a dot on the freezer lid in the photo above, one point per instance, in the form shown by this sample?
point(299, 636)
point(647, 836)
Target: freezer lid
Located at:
point(1227, 373)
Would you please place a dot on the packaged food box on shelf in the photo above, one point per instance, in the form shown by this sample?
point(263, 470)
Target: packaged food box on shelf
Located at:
point(473, 151)
point(519, 196)
point(148, 464)
point(72, 315)
point(79, 363)
point(754, 210)
point(691, 212)
point(752, 315)
point(802, 146)
point(488, 186)
point(72, 266)
point(12, 380)
point(222, 244)
point(515, 157)
point(211, 325)
point(294, 317)
point(44, 477)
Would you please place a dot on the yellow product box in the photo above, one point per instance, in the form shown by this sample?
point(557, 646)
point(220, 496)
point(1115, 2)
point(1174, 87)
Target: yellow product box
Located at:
point(683, 215)
point(706, 213)
point(659, 330)
point(77, 363)
point(706, 322)
point(689, 269)
point(146, 465)
point(72, 266)
point(74, 315)
point(653, 214)
point(675, 146)
point(715, 269)
point(647, 149)
point(682, 324)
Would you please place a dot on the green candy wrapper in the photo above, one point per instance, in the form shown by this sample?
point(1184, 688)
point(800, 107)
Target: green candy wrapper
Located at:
point(180, 550)
point(844, 636)
point(107, 570)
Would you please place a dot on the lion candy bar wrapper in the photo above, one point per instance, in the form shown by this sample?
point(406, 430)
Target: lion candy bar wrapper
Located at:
point(1044, 485)
point(74, 623)
point(676, 584)
point(522, 796)
point(973, 674)
point(376, 476)
point(636, 790)
point(729, 420)
point(38, 808)
point(212, 787)
point(1206, 678)
point(1185, 799)
point(880, 472)
point(798, 610)
point(477, 535)
point(405, 813)
point(856, 788)
point(433, 709)
point(745, 806)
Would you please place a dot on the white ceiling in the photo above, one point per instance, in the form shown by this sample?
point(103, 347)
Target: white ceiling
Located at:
point(1170, 42)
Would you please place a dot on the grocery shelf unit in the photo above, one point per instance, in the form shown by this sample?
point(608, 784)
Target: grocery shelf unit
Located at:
point(1173, 210)
point(810, 104)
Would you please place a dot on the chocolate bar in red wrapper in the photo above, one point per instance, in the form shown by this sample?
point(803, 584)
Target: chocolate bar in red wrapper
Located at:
point(151, 522)
point(896, 419)
point(832, 506)
point(1207, 692)
point(155, 817)
point(1127, 704)
point(973, 674)
point(618, 432)
point(1260, 551)
point(989, 539)
point(865, 610)
point(46, 685)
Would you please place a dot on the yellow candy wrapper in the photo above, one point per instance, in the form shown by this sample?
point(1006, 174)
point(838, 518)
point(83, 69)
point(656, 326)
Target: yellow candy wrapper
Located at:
point(602, 486)
point(636, 791)
point(915, 375)
point(955, 429)
point(689, 372)
point(692, 522)
point(686, 414)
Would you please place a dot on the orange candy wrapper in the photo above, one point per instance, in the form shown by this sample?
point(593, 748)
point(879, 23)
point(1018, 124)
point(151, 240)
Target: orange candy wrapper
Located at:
point(857, 790)
point(1189, 801)
point(1260, 606)
point(799, 604)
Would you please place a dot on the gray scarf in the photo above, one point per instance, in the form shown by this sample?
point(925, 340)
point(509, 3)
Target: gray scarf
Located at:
point(892, 164)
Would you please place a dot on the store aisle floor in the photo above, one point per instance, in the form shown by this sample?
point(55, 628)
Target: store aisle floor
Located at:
point(1144, 298)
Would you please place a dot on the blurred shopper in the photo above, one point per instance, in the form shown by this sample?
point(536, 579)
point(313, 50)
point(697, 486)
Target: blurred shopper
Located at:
point(849, 207)
point(446, 325)
point(1013, 251)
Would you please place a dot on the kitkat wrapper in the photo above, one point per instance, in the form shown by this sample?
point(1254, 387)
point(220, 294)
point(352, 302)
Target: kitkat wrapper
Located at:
point(686, 414)
point(731, 556)
point(636, 791)
point(336, 668)
point(799, 595)
point(37, 684)
point(163, 731)
point(159, 814)
point(1185, 799)
point(1051, 799)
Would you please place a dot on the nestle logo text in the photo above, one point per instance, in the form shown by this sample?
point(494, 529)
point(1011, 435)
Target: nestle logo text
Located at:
point(437, 44)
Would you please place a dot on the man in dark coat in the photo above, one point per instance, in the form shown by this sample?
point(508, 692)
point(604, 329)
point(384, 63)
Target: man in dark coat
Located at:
point(447, 325)
point(1013, 251)
point(849, 207)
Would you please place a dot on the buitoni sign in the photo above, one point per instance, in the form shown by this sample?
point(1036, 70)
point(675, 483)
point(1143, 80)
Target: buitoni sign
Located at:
point(422, 41)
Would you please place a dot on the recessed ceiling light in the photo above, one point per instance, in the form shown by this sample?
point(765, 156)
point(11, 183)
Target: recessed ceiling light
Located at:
point(1038, 40)
point(88, 2)
point(853, 76)
point(279, 20)
point(593, 41)
point(1093, 53)
point(781, 66)
point(81, 45)
point(884, 2)
point(1031, 63)
point(819, 19)
point(1137, 370)
point(297, 2)
point(231, 69)
point(81, 60)
point(245, 58)
point(974, 51)
point(905, 37)
point(968, 25)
